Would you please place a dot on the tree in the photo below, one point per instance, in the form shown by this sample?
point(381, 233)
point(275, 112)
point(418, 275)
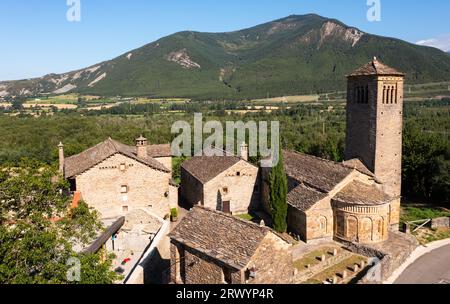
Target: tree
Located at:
point(278, 196)
point(34, 246)
point(426, 165)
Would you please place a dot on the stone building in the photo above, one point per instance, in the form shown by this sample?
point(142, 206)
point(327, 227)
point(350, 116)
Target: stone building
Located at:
point(211, 247)
point(357, 200)
point(116, 179)
point(226, 183)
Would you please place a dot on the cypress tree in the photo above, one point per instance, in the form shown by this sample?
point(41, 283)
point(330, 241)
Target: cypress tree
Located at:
point(278, 196)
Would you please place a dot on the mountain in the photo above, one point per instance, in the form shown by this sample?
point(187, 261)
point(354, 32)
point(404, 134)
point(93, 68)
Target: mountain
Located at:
point(293, 55)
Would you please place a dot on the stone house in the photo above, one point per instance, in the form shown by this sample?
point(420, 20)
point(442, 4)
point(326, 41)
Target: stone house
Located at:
point(211, 247)
point(226, 183)
point(357, 200)
point(116, 179)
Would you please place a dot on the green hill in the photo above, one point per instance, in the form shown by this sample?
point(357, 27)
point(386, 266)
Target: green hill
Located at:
point(291, 56)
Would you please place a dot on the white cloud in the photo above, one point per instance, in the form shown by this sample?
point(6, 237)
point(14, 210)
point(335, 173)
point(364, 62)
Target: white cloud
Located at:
point(441, 42)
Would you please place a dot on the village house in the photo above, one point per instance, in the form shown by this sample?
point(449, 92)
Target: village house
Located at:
point(211, 247)
point(226, 183)
point(116, 179)
point(357, 200)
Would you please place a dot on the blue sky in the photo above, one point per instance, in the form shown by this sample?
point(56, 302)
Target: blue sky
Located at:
point(38, 39)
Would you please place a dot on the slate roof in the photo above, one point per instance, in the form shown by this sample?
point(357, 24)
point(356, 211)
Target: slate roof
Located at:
point(157, 151)
point(303, 198)
point(223, 237)
point(359, 166)
point(82, 162)
point(205, 168)
point(358, 193)
point(317, 173)
point(375, 67)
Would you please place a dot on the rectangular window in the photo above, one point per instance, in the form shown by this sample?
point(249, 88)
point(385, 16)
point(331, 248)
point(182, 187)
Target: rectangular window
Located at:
point(124, 209)
point(225, 190)
point(123, 167)
point(124, 189)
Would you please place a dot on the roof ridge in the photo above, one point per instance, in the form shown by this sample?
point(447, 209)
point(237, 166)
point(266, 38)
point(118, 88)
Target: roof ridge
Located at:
point(248, 223)
point(316, 157)
point(89, 149)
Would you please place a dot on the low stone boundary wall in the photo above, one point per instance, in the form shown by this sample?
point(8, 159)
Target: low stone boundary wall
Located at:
point(383, 263)
point(441, 222)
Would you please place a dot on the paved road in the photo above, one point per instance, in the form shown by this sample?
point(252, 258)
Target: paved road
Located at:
point(431, 268)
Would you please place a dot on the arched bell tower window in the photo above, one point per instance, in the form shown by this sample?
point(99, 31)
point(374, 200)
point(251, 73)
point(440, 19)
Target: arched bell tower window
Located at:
point(366, 95)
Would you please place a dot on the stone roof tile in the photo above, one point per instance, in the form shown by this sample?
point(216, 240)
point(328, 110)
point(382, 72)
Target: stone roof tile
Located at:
point(223, 237)
point(375, 67)
point(358, 193)
point(89, 158)
point(320, 174)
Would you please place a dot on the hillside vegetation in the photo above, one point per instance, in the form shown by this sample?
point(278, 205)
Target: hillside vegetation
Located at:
point(296, 55)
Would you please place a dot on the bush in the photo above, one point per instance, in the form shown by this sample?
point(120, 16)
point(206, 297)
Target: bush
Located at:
point(174, 213)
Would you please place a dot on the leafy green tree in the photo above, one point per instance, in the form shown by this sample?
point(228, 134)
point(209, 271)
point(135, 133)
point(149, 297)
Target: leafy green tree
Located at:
point(426, 164)
point(278, 196)
point(38, 231)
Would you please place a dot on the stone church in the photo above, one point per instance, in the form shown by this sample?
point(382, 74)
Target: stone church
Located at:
point(357, 200)
point(116, 179)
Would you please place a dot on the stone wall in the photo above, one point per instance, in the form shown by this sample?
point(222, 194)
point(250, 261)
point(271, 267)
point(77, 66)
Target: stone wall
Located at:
point(271, 249)
point(194, 267)
point(362, 224)
point(191, 190)
point(389, 137)
point(297, 222)
point(320, 221)
point(361, 123)
point(374, 132)
point(240, 182)
point(147, 189)
point(166, 161)
point(442, 222)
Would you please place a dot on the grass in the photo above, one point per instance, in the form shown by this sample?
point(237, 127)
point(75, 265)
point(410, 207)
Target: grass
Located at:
point(247, 217)
point(428, 235)
point(337, 269)
point(410, 214)
point(311, 258)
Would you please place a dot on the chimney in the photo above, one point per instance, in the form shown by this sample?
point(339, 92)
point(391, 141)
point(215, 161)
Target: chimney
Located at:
point(141, 145)
point(61, 158)
point(244, 151)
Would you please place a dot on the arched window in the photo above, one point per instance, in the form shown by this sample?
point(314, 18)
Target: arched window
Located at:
point(358, 94)
point(384, 94)
point(388, 95)
point(392, 95)
point(366, 97)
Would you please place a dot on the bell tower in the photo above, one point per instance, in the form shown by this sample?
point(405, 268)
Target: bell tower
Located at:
point(375, 125)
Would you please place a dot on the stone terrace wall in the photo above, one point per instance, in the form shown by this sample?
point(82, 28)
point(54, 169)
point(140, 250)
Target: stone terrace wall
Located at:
point(442, 222)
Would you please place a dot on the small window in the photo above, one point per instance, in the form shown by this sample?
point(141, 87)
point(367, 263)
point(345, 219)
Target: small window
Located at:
point(123, 167)
point(124, 209)
point(225, 190)
point(124, 189)
point(238, 174)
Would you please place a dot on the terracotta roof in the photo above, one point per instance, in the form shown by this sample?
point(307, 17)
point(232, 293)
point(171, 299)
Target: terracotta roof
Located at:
point(375, 67)
point(205, 168)
point(84, 161)
point(359, 193)
point(314, 172)
point(303, 198)
point(223, 237)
